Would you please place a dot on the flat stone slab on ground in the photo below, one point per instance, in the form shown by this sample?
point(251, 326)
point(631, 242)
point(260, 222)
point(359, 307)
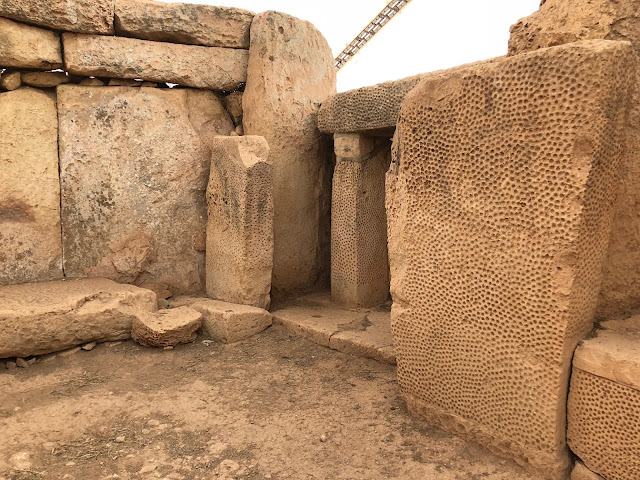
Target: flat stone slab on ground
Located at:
point(362, 332)
point(166, 327)
point(30, 246)
point(134, 165)
point(211, 68)
point(24, 46)
point(183, 23)
point(37, 318)
point(85, 16)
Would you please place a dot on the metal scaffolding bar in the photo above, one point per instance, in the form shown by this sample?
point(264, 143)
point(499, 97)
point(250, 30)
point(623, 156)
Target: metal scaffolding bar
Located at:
point(369, 31)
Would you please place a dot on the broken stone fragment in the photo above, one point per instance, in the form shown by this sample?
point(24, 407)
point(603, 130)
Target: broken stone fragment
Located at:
point(230, 322)
point(24, 46)
point(211, 68)
point(10, 80)
point(233, 104)
point(92, 82)
point(85, 16)
point(166, 327)
point(183, 23)
point(123, 82)
point(37, 318)
point(44, 79)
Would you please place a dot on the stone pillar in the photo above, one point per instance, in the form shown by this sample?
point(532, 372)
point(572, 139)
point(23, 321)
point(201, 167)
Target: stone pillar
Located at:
point(359, 260)
point(290, 74)
point(240, 221)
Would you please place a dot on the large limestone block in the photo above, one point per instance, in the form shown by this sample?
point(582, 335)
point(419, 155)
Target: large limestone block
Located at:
point(30, 246)
point(210, 68)
point(183, 23)
point(134, 164)
point(604, 401)
point(166, 328)
point(38, 318)
point(558, 22)
point(290, 74)
point(359, 260)
point(229, 322)
point(366, 109)
point(85, 16)
point(240, 221)
point(499, 207)
point(24, 46)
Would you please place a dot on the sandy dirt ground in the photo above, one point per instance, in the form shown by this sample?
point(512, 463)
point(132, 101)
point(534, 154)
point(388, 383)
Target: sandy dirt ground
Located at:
point(271, 407)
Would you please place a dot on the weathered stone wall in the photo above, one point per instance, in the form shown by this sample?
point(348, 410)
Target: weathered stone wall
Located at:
point(499, 219)
point(290, 74)
point(559, 22)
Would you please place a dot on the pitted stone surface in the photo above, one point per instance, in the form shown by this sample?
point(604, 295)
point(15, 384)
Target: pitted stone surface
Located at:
point(558, 22)
point(240, 221)
point(211, 68)
point(604, 400)
point(499, 217)
point(230, 322)
point(24, 46)
point(290, 73)
point(37, 318)
point(134, 165)
point(166, 328)
point(359, 259)
point(367, 108)
point(183, 23)
point(84, 16)
point(30, 247)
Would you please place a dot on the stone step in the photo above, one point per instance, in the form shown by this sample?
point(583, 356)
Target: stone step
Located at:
point(361, 332)
point(604, 400)
point(38, 318)
point(166, 327)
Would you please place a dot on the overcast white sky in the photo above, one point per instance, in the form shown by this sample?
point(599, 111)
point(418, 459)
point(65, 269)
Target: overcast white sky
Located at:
point(427, 35)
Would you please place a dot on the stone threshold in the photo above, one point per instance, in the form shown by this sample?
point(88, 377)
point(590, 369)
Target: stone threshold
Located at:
point(360, 332)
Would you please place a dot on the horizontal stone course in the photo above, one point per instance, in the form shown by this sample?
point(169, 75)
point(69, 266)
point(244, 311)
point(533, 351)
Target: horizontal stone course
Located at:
point(209, 68)
point(85, 16)
point(183, 23)
point(24, 46)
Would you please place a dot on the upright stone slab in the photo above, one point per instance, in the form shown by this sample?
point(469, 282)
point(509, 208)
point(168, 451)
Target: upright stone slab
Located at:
point(359, 260)
point(290, 74)
point(84, 16)
point(134, 164)
point(183, 23)
point(30, 246)
point(24, 46)
point(240, 221)
point(559, 22)
point(604, 400)
point(211, 68)
point(499, 205)
point(46, 317)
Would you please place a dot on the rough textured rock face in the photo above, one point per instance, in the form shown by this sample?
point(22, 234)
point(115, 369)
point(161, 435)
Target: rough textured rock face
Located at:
point(85, 16)
point(210, 68)
point(367, 108)
point(30, 248)
point(44, 79)
point(240, 221)
point(233, 104)
point(166, 327)
point(558, 22)
point(10, 80)
point(580, 472)
point(183, 23)
point(134, 167)
point(290, 74)
point(24, 46)
point(359, 260)
point(498, 218)
point(604, 401)
point(229, 322)
point(38, 318)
